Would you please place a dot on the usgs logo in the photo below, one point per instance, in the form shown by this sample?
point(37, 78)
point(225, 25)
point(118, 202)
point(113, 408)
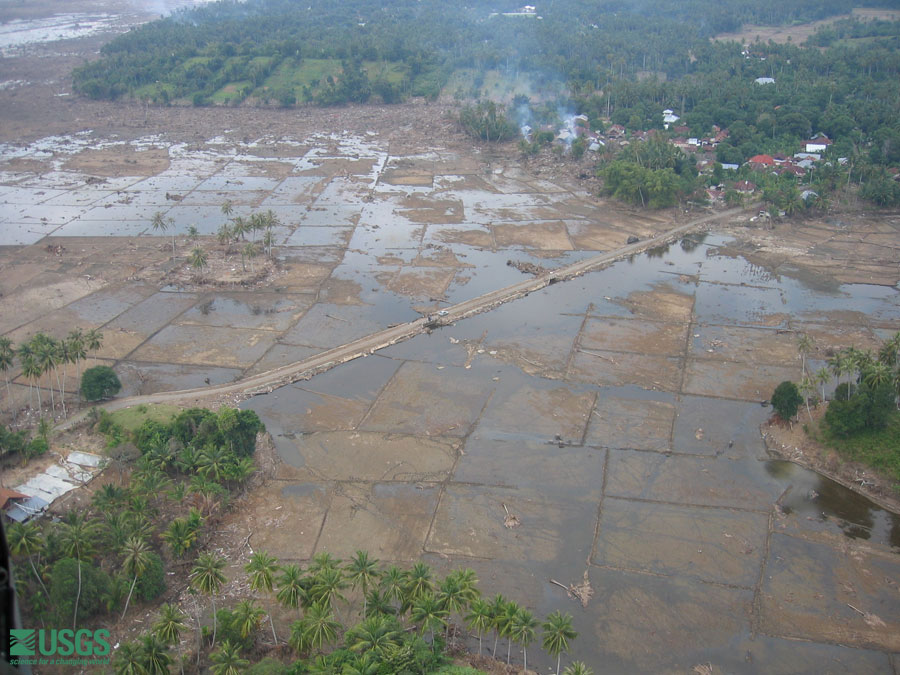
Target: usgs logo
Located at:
point(53, 642)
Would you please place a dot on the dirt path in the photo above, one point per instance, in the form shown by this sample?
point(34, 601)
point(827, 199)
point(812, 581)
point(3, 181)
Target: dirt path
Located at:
point(306, 368)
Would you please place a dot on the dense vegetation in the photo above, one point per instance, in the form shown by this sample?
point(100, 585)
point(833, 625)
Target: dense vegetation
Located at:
point(862, 420)
point(619, 63)
point(95, 561)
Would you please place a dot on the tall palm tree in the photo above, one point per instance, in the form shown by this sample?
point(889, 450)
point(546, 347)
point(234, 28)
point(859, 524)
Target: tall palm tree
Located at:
point(7, 356)
point(451, 595)
point(507, 619)
point(362, 572)
point(823, 377)
point(170, 624)
point(77, 349)
point(558, 632)
point(47, 355)
point(227, 660)
point(180, 536)
point(479, 619)
point(498, 608)
point(804, 346)
point(135, 563)
point(291, 590)
point(522, 632)
point(31, 369)
point(93, 340)
point(28, 540)
point(206, 576)
point(78, 537)
point(428, 613)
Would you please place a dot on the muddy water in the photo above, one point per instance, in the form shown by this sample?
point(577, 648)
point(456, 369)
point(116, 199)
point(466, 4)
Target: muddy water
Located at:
point(617, 417)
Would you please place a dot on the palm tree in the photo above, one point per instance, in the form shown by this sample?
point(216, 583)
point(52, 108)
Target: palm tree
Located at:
point(206, 576)
point(199, 258)
point(77, 349)
point(31, 370)
point(419, 582)
point(428, 613)
point(27, 539)
point(155, 655)
point(578, 668)
point(479, 619)
point(159, 223)
point(93, 340)
point(327, 586)
point(227, 660)
point(213, 461)
point(47, 358)
point(507, 619)
point(129, 660)
point(378, 603)
point(497, 607)
point(557, 633)
point(522, 631)
point(362, 572)
point(137, 559)
point(806, 388)
point(248, 617)
point(227, 208)
point(321, 628)
point(451, 595)
point(804, 346)
point(77, 538)
point(393, 583)
point(180, 536)
point(291, 590)
point(7, 356)
point(249, 251)
point(170, 623)
point(375, 633)
point(262, 568)
point(823, 377)
point(877, 375)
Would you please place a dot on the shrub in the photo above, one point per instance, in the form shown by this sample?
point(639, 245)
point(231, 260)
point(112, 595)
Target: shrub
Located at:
point(152, 582)
point(786, 400)
point(99, 382)
point(64, 589)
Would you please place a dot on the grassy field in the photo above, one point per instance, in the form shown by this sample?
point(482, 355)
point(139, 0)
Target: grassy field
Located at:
point(878, 449)
point(132, 418)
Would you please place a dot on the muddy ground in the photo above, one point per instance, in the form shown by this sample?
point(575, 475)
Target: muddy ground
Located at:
point(615, 415)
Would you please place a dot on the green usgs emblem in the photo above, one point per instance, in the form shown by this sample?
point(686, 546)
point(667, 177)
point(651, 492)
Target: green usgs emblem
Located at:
point(53, 642)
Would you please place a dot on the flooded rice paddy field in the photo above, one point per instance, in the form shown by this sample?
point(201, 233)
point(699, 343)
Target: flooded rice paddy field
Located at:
point(616, 415)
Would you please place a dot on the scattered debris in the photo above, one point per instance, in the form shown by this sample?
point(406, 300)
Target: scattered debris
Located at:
point(527, 267)
point(510, 521)
point(582, 592)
